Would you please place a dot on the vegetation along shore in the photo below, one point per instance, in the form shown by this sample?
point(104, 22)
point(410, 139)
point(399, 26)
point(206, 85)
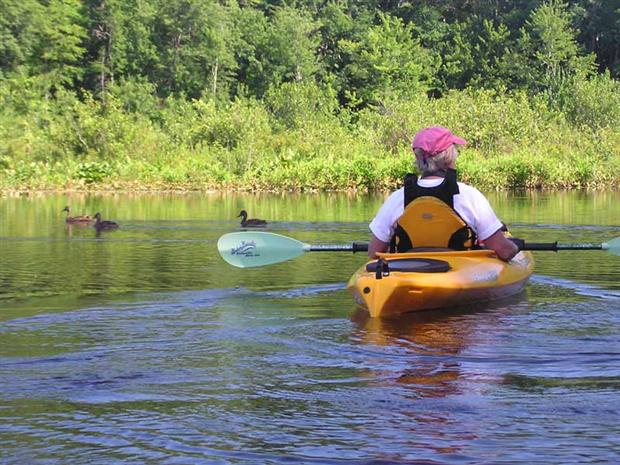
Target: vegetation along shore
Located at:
point(260, 95)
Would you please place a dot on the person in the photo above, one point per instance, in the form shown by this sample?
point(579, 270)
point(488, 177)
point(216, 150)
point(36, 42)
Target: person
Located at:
point(436, 211)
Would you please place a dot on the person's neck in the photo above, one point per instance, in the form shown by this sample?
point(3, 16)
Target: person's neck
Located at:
point(440, 174)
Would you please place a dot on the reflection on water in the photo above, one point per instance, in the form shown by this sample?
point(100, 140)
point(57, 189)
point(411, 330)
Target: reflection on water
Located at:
point(435, 341)
point(432, 339)
point(142, 346)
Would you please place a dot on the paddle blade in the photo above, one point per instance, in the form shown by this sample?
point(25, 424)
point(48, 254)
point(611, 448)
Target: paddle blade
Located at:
point(613, 246)
point(248, 249)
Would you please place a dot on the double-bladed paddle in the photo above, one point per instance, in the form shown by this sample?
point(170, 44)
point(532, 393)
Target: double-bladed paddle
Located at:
point(250, 249)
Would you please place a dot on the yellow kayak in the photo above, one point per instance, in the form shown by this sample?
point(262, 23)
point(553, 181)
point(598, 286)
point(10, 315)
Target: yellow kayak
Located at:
point(405, 282)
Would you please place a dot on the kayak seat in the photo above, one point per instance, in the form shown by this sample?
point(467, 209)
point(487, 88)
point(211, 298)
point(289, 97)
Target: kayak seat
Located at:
point(411, 265)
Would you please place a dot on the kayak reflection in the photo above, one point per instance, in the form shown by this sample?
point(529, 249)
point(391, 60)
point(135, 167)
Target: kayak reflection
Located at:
point(425, 349)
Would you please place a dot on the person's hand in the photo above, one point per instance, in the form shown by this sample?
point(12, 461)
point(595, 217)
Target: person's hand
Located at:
point(518, 242)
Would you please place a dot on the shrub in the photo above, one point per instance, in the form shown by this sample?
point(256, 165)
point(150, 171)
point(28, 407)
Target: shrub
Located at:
point(593, 103)
point(92, 172)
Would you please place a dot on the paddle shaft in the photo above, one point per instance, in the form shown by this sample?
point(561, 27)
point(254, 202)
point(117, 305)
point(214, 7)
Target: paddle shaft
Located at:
point(554, 246)
point(355, 247)
point(549, 246)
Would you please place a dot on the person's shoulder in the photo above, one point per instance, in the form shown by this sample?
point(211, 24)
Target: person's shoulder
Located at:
point(397, 193)
point(468, 190)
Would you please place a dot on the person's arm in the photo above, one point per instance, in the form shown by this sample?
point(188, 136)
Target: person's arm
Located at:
point(383, 224)
point(504, 248)
point(375, 246)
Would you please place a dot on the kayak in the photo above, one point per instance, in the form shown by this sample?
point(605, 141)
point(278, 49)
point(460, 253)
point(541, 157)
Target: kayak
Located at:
point(404, 282)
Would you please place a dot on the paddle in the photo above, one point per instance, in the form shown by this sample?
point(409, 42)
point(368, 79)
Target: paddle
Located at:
point(249, 249)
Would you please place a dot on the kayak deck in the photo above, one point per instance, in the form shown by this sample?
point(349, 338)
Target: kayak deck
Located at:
point(472, 276)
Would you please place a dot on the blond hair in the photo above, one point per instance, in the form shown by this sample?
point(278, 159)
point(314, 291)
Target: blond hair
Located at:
point(435, 164)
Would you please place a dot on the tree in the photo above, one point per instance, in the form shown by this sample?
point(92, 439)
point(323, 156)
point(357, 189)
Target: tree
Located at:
point(19, 22)
point(387, 60)
point(548, 52)
point(59, 47)
point(600, 31)
point(121, 43)
point(195, 41)
point(42, 38)
point(279, 48)
point(475, 56)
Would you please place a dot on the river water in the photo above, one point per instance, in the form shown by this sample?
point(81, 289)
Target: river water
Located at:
point(142, 346)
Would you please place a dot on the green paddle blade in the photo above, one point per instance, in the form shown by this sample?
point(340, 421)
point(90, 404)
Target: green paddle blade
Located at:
point(247, 249)
point(613, 246)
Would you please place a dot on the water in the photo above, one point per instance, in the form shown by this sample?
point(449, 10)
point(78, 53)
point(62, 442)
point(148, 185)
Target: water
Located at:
point(142, 346)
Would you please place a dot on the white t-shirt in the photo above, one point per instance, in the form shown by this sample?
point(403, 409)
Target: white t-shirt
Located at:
point(473, 207)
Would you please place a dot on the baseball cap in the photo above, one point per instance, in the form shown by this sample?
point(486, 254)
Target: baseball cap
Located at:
point(435, 139)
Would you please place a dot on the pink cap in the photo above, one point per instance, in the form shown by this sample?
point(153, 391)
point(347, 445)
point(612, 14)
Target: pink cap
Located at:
point(435, 139)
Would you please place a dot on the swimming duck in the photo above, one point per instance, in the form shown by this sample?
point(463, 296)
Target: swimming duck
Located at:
point(76, 219)
point(101, 225)
point(251, 222)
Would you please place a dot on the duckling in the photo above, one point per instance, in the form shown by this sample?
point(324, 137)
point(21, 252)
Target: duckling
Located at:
point(251, 222)
point(83, 219)
point(104, 225)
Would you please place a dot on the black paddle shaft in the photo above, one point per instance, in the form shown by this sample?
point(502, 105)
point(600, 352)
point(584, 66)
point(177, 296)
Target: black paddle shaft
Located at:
point(554, 246)
point(550, 246)
point(355, 247)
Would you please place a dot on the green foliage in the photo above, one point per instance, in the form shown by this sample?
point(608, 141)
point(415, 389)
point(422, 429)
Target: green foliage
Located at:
point(59, 46)
point(365, 51)
point(91, 172)
point(292, 141)
point(236, 131)
point(42, 38)
point(387, 60)
point(477, 56)
point(599, 31)
point(136, 96)
point(19, 22)
point(304, 95)
point(195, 40)
point(120, 42)
point(297, 104)
point(593, 103)
point(549, 54)
point(278, 48)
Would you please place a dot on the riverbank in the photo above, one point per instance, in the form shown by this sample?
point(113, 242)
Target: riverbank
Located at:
point(295, 143)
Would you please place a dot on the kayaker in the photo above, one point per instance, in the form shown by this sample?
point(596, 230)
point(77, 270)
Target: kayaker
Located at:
point(434, 210)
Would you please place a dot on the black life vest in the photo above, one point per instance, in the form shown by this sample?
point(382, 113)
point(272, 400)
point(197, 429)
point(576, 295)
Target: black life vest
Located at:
point(429, 219)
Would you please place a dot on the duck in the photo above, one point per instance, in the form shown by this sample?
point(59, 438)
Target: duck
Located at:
point(76, 219)
point(251, 222)
point(102, 225)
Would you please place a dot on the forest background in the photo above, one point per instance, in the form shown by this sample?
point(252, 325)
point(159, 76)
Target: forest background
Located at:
point(305, 95)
